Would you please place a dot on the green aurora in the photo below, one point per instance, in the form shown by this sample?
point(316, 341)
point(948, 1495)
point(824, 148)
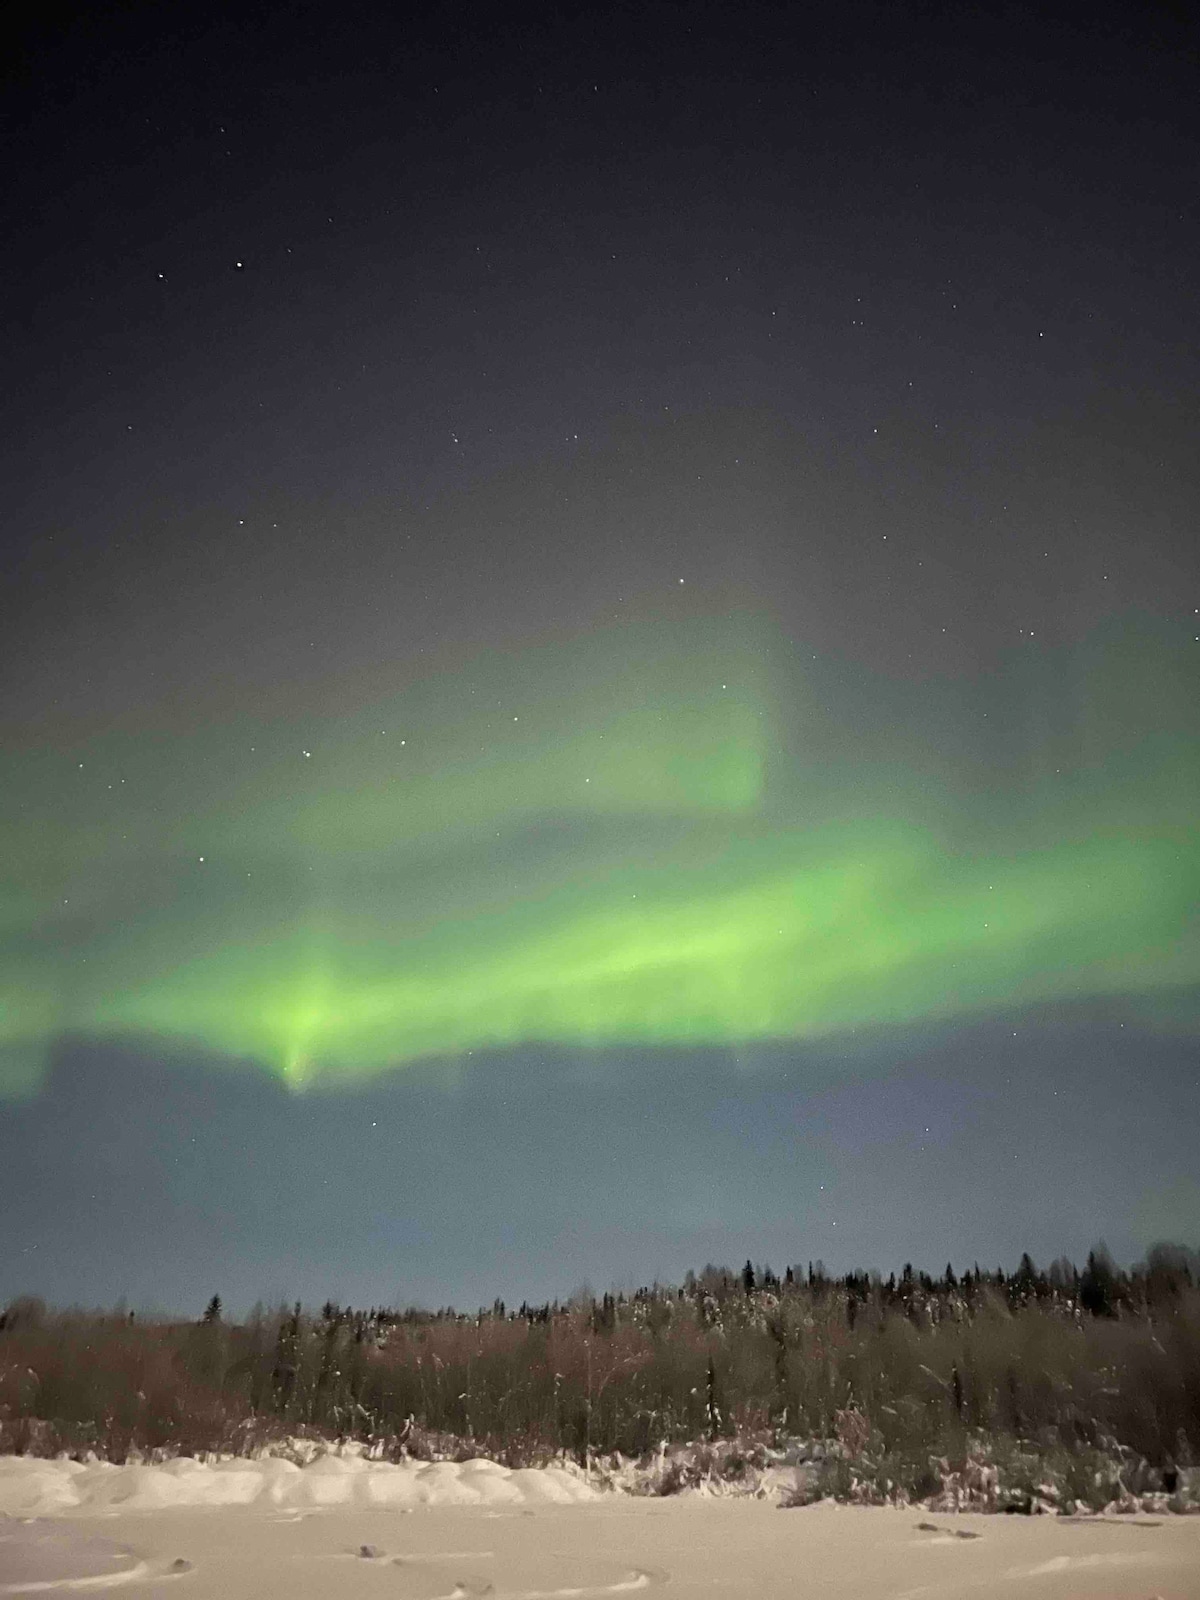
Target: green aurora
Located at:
point(679, 832)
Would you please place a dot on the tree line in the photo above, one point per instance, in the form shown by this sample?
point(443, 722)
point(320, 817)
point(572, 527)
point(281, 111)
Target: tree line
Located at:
point(1067, 1357)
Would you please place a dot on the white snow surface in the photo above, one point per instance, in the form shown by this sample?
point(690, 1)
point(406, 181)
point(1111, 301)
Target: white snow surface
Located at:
point(33, 1487)
point(271, 1529)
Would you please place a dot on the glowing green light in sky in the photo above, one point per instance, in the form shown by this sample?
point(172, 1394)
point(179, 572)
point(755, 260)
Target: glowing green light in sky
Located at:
point(681, 834)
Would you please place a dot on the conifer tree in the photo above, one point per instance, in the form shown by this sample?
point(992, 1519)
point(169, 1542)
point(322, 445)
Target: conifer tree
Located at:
point(1098, 1283)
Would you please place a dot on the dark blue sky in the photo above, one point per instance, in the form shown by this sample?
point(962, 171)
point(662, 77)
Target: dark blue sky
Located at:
point(362, 368)
point(538, 1172)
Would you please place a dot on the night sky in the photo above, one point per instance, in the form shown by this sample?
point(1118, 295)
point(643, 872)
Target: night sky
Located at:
point(600, 642)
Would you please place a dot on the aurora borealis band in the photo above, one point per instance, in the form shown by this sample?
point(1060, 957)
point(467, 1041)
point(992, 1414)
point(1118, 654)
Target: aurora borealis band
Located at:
point(675, 838)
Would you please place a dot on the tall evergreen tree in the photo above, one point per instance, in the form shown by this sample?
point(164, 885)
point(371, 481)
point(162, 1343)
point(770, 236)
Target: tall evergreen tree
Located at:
point(1097, 1286)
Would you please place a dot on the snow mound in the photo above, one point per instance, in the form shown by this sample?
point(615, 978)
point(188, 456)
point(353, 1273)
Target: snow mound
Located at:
point(32, 1487)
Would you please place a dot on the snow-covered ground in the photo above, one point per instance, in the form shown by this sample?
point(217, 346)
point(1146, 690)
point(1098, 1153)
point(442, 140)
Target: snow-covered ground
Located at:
point(354, 1528)
point(41, 1488)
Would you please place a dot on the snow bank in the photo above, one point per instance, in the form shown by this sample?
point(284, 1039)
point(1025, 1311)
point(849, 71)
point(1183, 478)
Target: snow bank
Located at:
point(31, 1487)
point(478, 1534)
